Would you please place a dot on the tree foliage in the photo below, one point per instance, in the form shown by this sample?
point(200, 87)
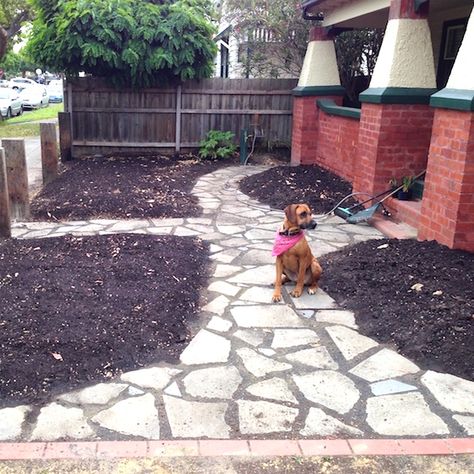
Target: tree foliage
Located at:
point(134, 42)
point(14, 64)
point(13, 13)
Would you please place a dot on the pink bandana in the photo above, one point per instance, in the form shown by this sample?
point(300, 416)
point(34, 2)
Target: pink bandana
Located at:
point(285, 242)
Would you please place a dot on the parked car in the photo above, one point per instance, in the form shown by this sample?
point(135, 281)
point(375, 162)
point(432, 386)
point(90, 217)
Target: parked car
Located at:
point(10, 103)
point(34, 97)
point(55, 91)
point(21, 82)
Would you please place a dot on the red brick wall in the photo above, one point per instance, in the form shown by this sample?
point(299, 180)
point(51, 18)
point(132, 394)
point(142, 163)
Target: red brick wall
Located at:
point(337, 144)
point(448, 200)
point(393, 142)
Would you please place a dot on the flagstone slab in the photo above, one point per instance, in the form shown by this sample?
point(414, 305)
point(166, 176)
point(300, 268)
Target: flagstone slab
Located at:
point(406, 414)
point(225, 270)
point(467, 422)
point(319, 423)
point(454, 393)
point(219, 324)
point(196, 419)
point(224, 288)
point(336, 316)
point(350, 342)
point(258, 294)
point(57, 422)
point(387, 387)
point(213, 382)
point(250, 337)
point(271, 316)
point(265, 417)
point(262, 275)
point(173, 389)
point(260, 365)
point(185, 232)
point(206, 348)
point(317, 357)
point(284, 338)
point(320, 300)
point(385, 364)
point(267, 351)
point(329, 388)
point(152, 377)
point(260, 234)
point(135, 416)
point(217, 305)
point(273, 389)
point(11, 421)
point(97, 394)
point(257, 257)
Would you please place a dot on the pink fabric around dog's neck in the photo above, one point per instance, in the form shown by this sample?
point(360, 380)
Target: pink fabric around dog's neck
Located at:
point(285, 242)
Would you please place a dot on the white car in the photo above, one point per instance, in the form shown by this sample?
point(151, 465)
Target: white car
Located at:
point(34, 97)
point(55, 91)
point(21, 83)
point(10, 102)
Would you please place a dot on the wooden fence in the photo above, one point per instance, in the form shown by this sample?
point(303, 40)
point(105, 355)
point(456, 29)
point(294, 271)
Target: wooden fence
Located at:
point(101, 118)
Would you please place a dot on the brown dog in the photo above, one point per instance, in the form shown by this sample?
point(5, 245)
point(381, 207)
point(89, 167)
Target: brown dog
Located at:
point(294, 261)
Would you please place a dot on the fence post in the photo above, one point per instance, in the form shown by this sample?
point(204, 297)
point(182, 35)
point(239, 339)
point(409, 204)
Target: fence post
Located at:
point(5, 217)
point(49, 151)
point(17, 177)
point(65, 136)
point(178, 119)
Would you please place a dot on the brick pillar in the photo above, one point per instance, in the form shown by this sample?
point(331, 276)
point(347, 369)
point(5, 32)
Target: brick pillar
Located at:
point(396, 120)
point(319, 78)
point(447, 213)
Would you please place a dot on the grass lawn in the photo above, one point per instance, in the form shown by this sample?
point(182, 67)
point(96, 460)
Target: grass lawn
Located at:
point(22, 125)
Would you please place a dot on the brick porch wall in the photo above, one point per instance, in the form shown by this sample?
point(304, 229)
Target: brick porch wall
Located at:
point(394, 140)
point(448, 202)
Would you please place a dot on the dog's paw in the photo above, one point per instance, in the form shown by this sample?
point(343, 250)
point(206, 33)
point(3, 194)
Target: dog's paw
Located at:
point(276, 298)
point(296, 293)
point(312, 291)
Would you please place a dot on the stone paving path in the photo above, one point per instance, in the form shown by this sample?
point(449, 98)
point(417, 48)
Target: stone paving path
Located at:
point(254, 369)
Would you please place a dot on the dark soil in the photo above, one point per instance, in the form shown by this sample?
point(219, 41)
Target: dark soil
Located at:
point(284, 185)
point(80, 310)
point(124, 187)
point(434, 330)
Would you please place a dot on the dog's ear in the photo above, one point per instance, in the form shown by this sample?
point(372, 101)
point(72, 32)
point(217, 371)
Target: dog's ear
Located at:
point(290, 212)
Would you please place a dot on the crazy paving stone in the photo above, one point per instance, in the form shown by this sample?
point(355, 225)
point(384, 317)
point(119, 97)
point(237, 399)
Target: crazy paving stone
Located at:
point(387, 387)
point(403, 415)
point(206, 348)
point(153, 377)
point(173, 389)
point(293, 337)
point(467, 422)
point(196, 419)
point(11, 421)
point(257, 257)
point(454, 393)
point(135, 416)
point(258, 294)
point(319, 423)
point(57, 422)
point(335, 316)
point(217, 305)
point(350, 342)
point(250, 337)
point(214, 382)
point(385, 364)
point(227, 256)
point(267, 351)
point(219, 324)
point(185, 232)
point(225, 270)
point(262, 275)
point(271, 316)
point(273, 389)
point(98, 394)
point(224, 288)
point(260, 365)
point(265, 417)
point(328, 388)
point(320, 300)
point(317, 357)
point(259, 234)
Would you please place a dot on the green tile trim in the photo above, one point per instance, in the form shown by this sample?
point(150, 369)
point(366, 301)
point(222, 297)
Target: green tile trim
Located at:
point(331, 108)
point(318, 91)
point(396, 95)
point(456, 99)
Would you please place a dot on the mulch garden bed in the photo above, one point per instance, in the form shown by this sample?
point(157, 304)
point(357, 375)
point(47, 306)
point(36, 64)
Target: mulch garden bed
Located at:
point(284, 185)
point(81, 310)
point(416, 295)
point(124, 187)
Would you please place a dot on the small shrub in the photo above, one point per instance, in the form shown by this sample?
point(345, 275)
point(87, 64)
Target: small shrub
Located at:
point(217, 145)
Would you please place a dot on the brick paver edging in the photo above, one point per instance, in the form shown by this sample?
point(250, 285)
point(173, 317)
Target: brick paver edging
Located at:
point(138, 449)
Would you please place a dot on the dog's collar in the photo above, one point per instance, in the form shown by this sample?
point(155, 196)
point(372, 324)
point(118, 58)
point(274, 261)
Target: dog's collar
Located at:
point(290, 232)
